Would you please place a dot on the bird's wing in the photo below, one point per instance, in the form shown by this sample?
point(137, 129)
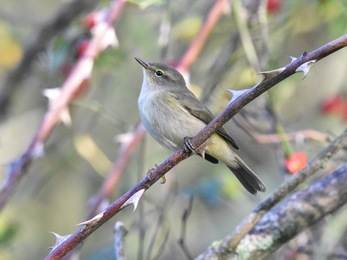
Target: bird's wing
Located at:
point(201, 112)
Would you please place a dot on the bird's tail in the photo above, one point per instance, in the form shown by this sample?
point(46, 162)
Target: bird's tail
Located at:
point(247, 177)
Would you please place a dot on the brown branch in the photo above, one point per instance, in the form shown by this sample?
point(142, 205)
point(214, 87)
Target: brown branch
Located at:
point(230, 243)
point(64, 17)
point(268, 82)
point(299, 211)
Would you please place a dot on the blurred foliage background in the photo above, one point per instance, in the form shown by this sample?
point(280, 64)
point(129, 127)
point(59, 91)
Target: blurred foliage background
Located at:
point(56, 192)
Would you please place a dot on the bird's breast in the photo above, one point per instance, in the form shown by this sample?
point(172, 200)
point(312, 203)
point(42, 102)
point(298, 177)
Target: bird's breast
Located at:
point(166, 121)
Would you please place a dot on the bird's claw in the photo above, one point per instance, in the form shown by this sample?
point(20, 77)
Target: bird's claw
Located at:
point(188, 144)
point(190, 147)
point(162, 179)
point(149, 175)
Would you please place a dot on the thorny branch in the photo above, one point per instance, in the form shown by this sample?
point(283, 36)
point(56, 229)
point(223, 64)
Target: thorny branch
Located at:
point(230, 243)
point(133, 195)
point(75, 83)
point(282, 223)
point(63, 18)
point(184, 66)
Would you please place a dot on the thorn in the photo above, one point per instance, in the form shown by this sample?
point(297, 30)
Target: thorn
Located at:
point(38, 150)
point(53, 95)
point(87, 67)
point(236, 93)
point(124, 139)
point(272, 73)
point(293, 58)
point(106, 33)
point(92, 221)
point(305, 68)
point(201, 152)
point(134, 199)
point(58, 240)
point(65, 116)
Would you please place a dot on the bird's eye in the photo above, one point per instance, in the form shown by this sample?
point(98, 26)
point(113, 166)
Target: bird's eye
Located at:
point(159, 73)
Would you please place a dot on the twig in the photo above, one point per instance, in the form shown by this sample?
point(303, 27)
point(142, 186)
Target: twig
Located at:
point(219, 66)
point(162, 247)
point(307, 134)
point(299, 211)
point(134, 194)
point(155, 235)
point(182, 239)
point(281, 192)
point(246, 39)
point(274, 138)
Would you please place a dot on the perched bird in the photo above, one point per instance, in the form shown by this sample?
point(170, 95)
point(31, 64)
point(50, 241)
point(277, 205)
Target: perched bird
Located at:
point(171, 113)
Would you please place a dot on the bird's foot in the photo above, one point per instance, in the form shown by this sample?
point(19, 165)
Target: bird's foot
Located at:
point(196, 150)
point(149, 175)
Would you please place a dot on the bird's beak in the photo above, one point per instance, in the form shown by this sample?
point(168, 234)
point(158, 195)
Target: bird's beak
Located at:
point(143, 63)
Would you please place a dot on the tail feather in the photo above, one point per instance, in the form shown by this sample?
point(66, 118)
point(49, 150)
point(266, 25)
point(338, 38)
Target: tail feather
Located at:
point(247, 177)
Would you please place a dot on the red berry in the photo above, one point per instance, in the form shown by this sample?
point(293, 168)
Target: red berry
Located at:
point(296, 162)
point(332, 104)
point(91, 19)
point(81, 48)
point(273, 6)
point(336, 105)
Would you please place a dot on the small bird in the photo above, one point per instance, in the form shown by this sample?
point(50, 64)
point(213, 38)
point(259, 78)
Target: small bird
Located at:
point(172, 114)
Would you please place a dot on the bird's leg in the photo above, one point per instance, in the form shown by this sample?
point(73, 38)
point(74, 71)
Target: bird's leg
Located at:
point(188, 144)
point(149, 174)
point(196, 150)
point(162, 179)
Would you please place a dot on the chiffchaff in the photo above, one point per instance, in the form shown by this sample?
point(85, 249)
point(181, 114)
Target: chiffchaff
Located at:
point(170, 112)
